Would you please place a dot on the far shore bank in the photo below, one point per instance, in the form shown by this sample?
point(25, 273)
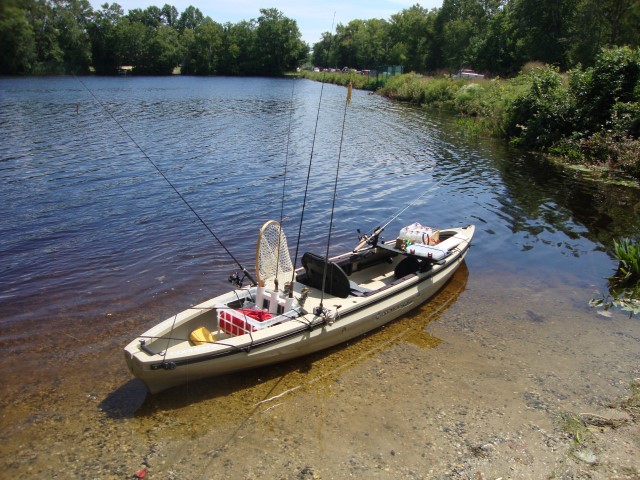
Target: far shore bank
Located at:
point(588, 119)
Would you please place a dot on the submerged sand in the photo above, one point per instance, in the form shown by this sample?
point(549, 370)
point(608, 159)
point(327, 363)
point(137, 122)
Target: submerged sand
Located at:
point(481, 383)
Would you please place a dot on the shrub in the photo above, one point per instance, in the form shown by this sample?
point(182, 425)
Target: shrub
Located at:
point(628, 254)
point(617, 153)
point(407, 88)
point(441, 91)
point(614, 79)
point(542, 115)
point(625, 118)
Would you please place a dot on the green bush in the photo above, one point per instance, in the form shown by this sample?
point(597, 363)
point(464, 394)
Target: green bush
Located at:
point(616, 153)
point(624, 285)
point(362, 82)
point(625, 118)
point(613, 80)
point(440, 92)
point(406, 88)
point(489, 102)
point(542, 115)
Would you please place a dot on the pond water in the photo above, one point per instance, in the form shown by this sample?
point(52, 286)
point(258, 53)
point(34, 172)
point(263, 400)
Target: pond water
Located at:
point(97, 246)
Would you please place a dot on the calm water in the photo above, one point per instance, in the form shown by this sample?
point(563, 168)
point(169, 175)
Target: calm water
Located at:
point(88, 223)
point(95, 246)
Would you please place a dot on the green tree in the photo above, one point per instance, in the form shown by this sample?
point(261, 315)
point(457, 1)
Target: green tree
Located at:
point(203, 48)
point(278, 45)
point(612, 84)
point(238, 54)
point(130, 42)
point(411, 37)
point(190, 18)
point(18, 52)
point(72, 20)
point(170, 15)
point(463, 26)
point(49, 55)
point(150, 17)
point(544, 29)
point(602, 23)
point(104, 39)
point(499, 51)
point(323, 51)
point(362, 44)
point(162, 52)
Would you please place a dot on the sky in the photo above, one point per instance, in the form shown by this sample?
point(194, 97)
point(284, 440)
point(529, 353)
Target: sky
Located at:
point(313, 17)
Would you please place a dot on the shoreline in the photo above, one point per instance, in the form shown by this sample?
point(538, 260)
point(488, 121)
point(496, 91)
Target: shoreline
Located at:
point(478, 392)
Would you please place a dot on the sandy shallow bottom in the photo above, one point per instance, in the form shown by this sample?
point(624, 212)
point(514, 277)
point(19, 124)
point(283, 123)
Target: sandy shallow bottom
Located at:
point(478, 384)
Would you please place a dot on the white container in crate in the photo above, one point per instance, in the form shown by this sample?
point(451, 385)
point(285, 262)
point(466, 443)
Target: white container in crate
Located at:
point(237, 322)
point(417, 233)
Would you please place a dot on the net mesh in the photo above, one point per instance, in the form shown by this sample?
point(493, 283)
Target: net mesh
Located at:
point(272, 255)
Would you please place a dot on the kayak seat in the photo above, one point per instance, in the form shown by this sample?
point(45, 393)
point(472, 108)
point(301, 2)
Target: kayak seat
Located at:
point(337, 283)
point(407, 266)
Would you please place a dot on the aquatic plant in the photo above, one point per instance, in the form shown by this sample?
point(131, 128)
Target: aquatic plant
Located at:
point(624, 285)
point(625, 299)
point(633, 402)
point(574, 427)
point(628, 254)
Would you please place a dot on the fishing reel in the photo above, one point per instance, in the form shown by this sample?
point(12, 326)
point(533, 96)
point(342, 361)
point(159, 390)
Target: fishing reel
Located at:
point(368, 239)
point(235, 279)
point(320, 311)
point(329, 316)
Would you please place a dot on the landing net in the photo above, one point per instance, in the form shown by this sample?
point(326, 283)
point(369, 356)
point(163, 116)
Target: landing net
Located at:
point(272, 255)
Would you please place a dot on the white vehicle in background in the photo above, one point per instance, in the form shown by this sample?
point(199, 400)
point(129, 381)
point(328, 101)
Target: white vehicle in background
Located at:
point(469, 74)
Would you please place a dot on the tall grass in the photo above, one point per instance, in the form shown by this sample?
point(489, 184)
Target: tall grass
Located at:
point(362, 82)
point(624, 285)
point(628, 255)
point(487, 102)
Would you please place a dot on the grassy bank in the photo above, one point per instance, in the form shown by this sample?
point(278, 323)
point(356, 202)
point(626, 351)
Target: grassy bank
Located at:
point(589, 117)
point(362, 82)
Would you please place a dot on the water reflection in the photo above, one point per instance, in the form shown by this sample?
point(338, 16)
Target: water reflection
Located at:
point(552, 199)
point(90, 229)
point(236, 396)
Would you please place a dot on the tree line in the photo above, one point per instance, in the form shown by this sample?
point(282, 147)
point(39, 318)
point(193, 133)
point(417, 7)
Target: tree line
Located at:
point(493, 36)
point(69, 36)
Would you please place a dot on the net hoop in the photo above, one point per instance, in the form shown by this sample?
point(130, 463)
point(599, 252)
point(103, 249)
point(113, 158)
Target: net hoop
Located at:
point(272, 255)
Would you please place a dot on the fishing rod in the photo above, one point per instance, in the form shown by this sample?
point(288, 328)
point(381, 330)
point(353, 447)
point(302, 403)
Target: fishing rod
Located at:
point(284, 186)
point(233, 278)
point(372, 238)
point(306, 187)
point(335, 194)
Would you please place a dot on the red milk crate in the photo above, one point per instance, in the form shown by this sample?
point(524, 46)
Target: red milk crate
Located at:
point(239, 322)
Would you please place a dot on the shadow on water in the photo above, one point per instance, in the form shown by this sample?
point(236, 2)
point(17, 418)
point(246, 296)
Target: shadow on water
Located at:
point(251, 389)
point(569, 201)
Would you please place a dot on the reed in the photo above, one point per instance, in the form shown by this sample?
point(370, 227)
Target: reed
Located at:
point(624, 285)
point(628, 255)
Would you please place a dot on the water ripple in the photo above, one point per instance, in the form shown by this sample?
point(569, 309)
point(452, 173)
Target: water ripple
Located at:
point(87, 221)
